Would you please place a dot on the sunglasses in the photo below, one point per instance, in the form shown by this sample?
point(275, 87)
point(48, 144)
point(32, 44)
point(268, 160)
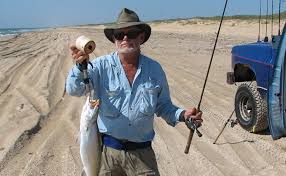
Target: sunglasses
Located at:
point(132, 34)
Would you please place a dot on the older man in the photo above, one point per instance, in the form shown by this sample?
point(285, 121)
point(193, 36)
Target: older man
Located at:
point(132, 88)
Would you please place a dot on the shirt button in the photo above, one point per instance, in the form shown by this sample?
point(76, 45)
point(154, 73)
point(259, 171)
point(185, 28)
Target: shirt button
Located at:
point(131, 108)
point(129, 124)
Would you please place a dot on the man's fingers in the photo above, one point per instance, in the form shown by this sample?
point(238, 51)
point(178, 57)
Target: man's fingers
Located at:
point(73, 47)
point(80, 59)
point(197, 119)
point(197, 116)
point(194, 110)
point(79, 54)
point(74, 51)
point(198, 124)
point(190, 112)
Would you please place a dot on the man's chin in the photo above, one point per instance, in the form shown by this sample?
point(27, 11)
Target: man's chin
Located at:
point(127, 50)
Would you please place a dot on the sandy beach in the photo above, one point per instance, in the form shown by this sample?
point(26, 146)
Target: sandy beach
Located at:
point(39, 124)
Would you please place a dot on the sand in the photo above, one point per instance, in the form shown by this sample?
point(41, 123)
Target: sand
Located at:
point(39, 124)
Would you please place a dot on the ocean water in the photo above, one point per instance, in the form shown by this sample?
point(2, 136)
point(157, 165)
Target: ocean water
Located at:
point(14, 31)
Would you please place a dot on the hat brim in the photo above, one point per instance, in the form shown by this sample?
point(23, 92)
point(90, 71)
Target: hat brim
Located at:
point(108, 31)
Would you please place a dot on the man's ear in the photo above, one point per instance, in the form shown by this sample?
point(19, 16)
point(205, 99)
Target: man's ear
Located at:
point(142, 37)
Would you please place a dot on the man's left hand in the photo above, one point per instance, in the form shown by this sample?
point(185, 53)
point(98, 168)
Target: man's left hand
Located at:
point(194, 114)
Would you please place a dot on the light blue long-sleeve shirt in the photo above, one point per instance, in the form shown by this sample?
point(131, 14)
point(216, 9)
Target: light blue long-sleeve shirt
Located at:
point(127, 111)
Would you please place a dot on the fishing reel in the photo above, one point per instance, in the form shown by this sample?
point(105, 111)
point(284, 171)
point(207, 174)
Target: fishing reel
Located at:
point(233, 123)
point(192, 126)
point(85, 44)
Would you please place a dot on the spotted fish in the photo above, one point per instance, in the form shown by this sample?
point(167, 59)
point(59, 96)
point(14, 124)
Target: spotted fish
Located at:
point(90, 140)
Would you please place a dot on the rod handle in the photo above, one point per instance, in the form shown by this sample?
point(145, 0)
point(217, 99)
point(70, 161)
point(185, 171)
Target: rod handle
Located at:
point(191, 134)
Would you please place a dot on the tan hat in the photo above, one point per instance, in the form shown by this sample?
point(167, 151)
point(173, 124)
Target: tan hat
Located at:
point(125, 19)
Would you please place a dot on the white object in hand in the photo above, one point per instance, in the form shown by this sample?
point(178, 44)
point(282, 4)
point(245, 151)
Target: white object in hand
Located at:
point(85, 44)
point(90, 140)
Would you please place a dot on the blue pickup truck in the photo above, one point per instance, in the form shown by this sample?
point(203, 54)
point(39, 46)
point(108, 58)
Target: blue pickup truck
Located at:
point(259, 70)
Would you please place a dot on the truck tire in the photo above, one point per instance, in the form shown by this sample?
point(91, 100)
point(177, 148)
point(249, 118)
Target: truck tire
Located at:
point(250, 108)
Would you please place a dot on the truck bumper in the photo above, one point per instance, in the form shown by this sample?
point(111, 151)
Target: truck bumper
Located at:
point(230, 79)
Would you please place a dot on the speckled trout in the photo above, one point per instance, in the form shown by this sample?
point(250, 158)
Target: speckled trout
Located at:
point(90, 140)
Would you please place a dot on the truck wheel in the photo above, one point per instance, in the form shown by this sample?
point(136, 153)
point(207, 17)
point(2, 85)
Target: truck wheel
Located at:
point(250, 108)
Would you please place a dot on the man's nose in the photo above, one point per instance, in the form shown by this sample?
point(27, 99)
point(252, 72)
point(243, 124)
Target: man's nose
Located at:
point(125, 38)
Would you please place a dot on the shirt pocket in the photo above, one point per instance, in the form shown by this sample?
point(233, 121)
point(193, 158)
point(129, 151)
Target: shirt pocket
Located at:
point(149, 97)
point(111, 102)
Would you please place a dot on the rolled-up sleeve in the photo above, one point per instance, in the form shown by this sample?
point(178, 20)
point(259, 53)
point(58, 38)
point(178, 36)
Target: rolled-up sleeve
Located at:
point(165, 108)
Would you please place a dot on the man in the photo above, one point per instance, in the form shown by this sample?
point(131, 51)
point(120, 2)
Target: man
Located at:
point(131, 88)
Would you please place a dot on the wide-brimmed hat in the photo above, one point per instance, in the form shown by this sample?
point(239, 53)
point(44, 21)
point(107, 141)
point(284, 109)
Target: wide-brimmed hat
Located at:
point(125, 19)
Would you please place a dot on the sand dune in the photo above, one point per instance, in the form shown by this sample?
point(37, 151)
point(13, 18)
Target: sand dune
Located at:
point(39, 124)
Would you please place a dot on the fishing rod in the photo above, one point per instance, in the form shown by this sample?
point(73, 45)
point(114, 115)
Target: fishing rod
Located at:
point(266, 37)
point(232, 122)
point(226, 122)
point(189, 122)
point(259, 21)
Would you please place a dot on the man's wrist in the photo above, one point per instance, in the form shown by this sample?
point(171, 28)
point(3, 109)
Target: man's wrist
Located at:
point(182, 116)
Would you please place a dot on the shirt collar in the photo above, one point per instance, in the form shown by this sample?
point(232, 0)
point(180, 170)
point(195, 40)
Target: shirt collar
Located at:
point(116, 60)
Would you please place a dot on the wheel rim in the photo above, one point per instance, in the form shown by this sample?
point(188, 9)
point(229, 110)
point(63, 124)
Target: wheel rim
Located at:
point(246, 108)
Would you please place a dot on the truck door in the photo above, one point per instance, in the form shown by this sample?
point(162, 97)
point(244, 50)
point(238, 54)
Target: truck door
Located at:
point(277, 93)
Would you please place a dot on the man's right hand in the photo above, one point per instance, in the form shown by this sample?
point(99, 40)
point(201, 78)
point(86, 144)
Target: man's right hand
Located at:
point(77, 55)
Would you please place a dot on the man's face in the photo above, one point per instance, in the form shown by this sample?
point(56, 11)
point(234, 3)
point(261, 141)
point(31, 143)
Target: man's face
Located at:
point(128, 40)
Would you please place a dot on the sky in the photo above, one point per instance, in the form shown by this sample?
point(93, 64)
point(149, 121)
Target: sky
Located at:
point(55, 13)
